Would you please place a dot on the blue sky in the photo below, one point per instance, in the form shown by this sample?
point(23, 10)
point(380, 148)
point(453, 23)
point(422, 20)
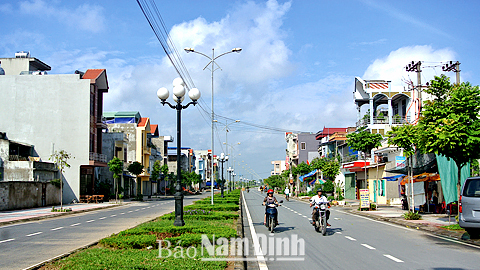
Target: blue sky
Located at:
point(296, 70)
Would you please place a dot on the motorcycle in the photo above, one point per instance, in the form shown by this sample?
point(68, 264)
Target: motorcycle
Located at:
point(320, 221)
point(272, 216)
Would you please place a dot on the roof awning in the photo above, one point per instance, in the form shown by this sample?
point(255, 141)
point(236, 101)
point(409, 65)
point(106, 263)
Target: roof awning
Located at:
point(393, 178)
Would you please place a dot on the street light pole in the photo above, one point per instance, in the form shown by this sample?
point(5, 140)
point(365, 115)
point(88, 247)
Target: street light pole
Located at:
point(222, 159)
point(212, 61)
point(178, 97)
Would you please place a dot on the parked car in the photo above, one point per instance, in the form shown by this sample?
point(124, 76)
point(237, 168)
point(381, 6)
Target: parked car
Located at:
point(469, 217)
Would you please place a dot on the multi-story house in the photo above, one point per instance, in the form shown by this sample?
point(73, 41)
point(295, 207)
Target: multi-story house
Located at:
point(203, 163)
point(115, 144)
point(278, 167)
point(137, 128)
point(56, 112)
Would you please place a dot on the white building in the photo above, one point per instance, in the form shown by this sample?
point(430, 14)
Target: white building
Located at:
point(53, 113)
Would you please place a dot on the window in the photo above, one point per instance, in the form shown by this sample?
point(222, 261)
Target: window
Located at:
point(303, 146)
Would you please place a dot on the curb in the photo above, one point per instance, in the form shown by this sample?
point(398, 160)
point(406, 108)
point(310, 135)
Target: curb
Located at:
point(58, 215)
point(240, 264)
point(454, 235)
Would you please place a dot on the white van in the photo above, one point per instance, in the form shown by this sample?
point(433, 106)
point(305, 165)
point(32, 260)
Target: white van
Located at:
point(469, 217)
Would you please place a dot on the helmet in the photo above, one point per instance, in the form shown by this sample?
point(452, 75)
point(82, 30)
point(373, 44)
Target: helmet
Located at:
point(270, 191)
point(319, 190)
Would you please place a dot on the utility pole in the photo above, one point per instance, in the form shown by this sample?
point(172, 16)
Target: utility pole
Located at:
point(415, 67)
point(453, 67)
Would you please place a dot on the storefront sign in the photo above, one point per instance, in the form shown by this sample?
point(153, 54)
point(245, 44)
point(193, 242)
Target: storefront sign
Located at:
point(400, 162)
point(364, 198)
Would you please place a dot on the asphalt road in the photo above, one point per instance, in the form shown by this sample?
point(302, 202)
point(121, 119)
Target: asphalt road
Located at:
point(25, 244)
point(352, 242)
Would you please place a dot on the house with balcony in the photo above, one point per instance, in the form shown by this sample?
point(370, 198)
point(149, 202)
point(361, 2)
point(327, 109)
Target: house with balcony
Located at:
point(387, 105)
point(56, 112)
point(278, 167)
point(137, 129)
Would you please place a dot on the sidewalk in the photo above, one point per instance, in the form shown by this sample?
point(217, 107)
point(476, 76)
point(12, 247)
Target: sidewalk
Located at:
point(15, 216)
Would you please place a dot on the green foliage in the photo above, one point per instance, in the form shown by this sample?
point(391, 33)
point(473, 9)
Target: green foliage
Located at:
point(303, 168)
point(215, 207)
point(156, 170)
point(274, 181)
point(363, 140)
point(450, 123)
point(454, 227)
point(330, 198)
point(474, 168)
point(330, 167)
point(411, 215)
point(328, 186)
point(135, 168)
point(405, 136)
point(56, 182)
point(115, 165)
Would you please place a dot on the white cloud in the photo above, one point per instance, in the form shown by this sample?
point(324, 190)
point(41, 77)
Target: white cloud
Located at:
point(392, 67)
point(85, 17)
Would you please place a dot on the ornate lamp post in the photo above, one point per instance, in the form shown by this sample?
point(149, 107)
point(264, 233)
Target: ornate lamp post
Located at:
point(178, 97)
point(222, 159)
point(212, 69)
point(233, 176)
point(230, 171)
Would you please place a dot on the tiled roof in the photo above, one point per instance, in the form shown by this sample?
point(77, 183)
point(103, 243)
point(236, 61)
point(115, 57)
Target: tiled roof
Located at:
point(154, 129)
point(143, 122)
point(329, 131)
point(92, 73)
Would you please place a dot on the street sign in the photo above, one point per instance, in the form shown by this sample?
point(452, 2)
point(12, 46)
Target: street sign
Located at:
point(364, 198)
point(400, 161)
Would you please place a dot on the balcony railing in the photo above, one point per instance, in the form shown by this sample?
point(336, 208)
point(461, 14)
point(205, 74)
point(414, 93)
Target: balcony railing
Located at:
point(98, 157)
point(383, 120)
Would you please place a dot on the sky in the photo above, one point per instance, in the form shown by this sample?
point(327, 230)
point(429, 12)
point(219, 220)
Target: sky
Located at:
point(295, 72)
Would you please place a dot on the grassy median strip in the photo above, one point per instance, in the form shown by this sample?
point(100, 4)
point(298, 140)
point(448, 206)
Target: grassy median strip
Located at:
point(138, 248)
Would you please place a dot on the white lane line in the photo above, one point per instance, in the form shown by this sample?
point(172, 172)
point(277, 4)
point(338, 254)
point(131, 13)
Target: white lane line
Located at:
point(32, 234)
point(91, 220)
point(367, 246)
point(113, 215)
point(144, 207)
point(392, 258)
point(262, 265)
point(137, 210)
point(76, 224)
point(339, 232)
point(8, 240)
point(129, 211)
point(122, 213)
point(350, 238)
point(59, 228)
point(304, 216)
point(103, 218)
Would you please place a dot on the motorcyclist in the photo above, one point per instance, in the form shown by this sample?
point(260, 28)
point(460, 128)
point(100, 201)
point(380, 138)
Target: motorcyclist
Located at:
point(318, 199)
point(270, 199)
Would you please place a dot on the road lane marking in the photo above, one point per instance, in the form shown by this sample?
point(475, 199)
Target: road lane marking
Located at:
point(350, 238)
point(137, 210)
point(59, 228)
point(339, 232)
point(122, 213)
point(129, 211)
point(76, 224)
point(392, 258)
point(103, 218)
point(8, 240)
point(367, 246)
point(32, 234)
point(91, 220)
point(262, 265)
point(113, 215)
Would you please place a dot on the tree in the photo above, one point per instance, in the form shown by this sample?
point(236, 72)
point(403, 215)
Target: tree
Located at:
point(406, 137)
point(61, 161)
point(116, 166)
point(274, 181)
point(364, 141)
point(156, 170)
point(330, 167)
point(450, 124)
point(136, 168)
